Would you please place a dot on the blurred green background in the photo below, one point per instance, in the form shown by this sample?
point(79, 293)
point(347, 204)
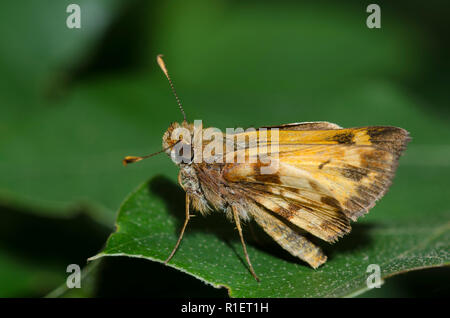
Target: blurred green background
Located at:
point(74, 102)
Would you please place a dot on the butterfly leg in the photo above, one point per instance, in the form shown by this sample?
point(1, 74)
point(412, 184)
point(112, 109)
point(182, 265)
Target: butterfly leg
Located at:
point(182, 231)
point(238, 225)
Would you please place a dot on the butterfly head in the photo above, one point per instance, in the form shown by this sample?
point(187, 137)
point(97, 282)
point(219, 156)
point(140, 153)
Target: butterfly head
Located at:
point(177, 142)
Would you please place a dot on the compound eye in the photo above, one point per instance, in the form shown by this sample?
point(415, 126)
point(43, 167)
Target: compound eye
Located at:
point(182, 153)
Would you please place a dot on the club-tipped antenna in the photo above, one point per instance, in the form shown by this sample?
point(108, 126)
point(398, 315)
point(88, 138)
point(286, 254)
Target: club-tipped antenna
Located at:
point(163, 67)
point(133, 159)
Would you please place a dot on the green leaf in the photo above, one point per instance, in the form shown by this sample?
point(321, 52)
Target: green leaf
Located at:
point(150, 218)
point(39, 56)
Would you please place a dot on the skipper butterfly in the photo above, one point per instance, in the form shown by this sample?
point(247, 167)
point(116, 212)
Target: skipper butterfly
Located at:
point(325, 177)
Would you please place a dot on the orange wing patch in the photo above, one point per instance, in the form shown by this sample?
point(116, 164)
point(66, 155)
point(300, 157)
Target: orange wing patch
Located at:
point(325, 177)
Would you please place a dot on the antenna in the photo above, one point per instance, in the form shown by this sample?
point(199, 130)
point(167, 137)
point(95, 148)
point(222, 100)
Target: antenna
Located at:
point(163, 67)
point(133, 159)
